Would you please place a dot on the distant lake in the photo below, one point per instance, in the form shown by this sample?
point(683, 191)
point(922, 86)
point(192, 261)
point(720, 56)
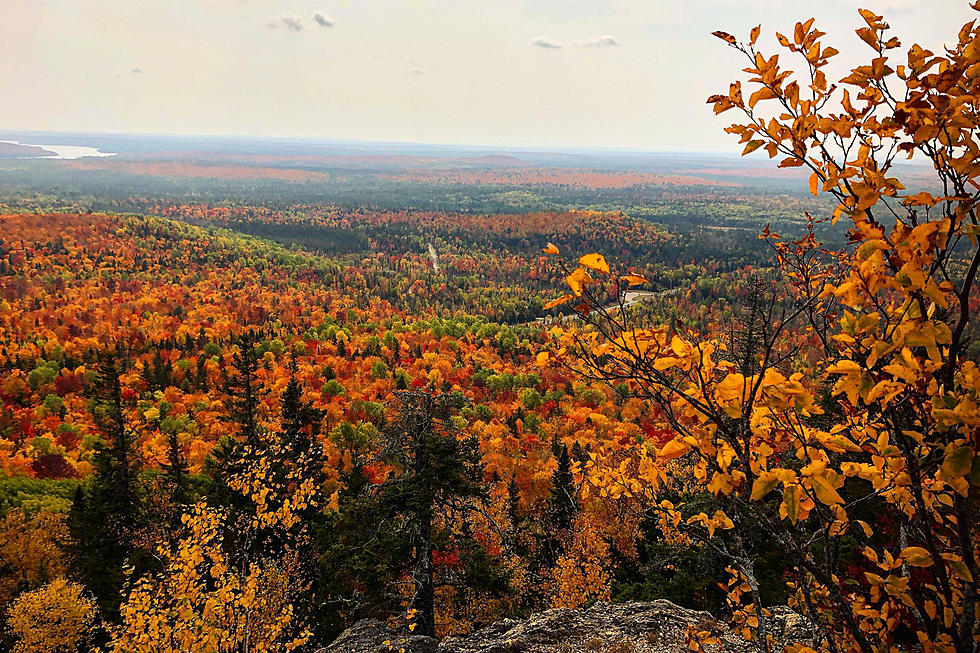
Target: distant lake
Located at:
point(64, 151)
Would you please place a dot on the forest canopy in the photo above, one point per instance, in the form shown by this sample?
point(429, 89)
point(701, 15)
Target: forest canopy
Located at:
point(249, 400)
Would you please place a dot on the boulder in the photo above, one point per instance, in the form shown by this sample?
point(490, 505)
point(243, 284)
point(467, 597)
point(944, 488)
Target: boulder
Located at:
point(373, 636)
point(638, 627)
point(656, 626)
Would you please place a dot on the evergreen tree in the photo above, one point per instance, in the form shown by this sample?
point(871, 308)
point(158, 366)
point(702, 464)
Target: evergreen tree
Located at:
point(201, 378)
point(561, 503)
point(233, 453)
point(176, 470)
point(107, 514)
point(243, 389)
point(159, 374)
point(292, 455)
point(560, 508)
point(394, 528)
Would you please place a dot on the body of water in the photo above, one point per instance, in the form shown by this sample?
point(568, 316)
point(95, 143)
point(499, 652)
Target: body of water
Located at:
point(65, 151)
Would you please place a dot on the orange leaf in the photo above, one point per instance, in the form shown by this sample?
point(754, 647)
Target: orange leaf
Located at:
point(578, 279)
point(814, 183)
point(752, 146)
point(673, 449)
point(551, 249)
point(724, 36)
point(595, 262)
point(763, 93)
point(634, 279)
point(558, 301)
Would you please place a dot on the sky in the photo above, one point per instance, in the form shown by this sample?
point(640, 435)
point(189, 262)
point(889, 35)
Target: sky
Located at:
point(509, 73)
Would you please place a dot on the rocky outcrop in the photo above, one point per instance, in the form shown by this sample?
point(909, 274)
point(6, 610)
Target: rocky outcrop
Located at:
point(373, 636)
point(602, 628)
point(650, 627)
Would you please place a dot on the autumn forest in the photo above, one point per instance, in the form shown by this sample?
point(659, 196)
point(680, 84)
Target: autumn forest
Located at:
point(253, 393)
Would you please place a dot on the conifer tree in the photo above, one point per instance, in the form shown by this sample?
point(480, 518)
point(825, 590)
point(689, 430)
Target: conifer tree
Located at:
point(561, 503)
point(176, 470)
point(395, 528)
point(107, 513)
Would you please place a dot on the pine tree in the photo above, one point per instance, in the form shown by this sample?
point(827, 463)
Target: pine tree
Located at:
point(513, 499)
point(298, 450)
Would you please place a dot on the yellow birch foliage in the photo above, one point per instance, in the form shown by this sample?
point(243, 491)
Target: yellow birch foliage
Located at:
point(55, 618)
point(201, 603)
point(31, 551)
point(892, 313)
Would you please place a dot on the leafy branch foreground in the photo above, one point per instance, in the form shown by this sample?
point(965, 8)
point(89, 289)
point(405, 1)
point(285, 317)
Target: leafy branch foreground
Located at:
point(886, 462)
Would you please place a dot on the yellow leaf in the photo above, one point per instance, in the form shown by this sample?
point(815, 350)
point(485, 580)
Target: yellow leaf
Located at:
point(790, 507)
point(595, 262)
point(763, 485)
point(673, 449)
point(825, 492)
point(865, 527)
point(916, 556)
point(720, 484)
point(541, 359)
point(844, 367)
point(957, 462)
point(578, 280)
point(551, 249)
point(959, 567)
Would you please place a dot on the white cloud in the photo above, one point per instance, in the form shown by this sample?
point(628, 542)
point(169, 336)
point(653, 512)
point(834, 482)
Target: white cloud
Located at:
point(598, 42)
point(545, 42)
point(291, 22)
point(322, 20)
point(415, 71)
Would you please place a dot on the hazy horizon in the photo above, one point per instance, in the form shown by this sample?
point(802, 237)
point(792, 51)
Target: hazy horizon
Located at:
point(539, 74)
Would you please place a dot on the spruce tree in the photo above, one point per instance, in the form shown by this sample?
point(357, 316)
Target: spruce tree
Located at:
point(201, 377)
point(233, 453)
point(393, 529)
point(560, 508)
point(242, 387)
point(176, 470)
point(107, 513)
point(561, 503)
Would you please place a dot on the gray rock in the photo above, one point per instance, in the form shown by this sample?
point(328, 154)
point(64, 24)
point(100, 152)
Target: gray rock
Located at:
point(647, 627)
point(790, 626)
point(370, 635)
point(657, 626)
